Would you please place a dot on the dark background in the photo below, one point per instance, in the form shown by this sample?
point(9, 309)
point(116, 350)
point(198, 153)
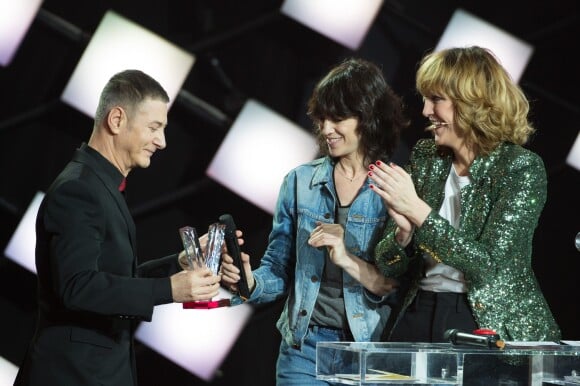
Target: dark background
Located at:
point(248, 49)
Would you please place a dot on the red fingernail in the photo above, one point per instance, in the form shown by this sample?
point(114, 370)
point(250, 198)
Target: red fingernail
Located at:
point(379, 163)
point(372, 167)
point(370, 174)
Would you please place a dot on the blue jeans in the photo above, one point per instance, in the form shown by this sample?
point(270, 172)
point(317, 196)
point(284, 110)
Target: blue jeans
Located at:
point(297, 366)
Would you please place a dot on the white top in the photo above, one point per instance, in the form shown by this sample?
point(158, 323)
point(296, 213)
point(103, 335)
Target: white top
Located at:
point(440, 277)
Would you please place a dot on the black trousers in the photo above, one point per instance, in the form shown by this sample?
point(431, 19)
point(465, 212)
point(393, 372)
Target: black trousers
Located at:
point(431, 314)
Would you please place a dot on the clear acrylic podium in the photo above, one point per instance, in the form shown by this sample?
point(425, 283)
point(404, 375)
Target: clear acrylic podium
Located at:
point(446, 364)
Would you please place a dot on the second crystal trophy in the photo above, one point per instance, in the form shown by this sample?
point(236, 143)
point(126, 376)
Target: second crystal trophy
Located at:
point(215, 242)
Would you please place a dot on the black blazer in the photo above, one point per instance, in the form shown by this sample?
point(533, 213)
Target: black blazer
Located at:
point(91, 293)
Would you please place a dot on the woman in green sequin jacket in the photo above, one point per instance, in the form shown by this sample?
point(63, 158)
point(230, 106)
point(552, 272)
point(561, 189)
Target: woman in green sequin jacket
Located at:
point(465, 208)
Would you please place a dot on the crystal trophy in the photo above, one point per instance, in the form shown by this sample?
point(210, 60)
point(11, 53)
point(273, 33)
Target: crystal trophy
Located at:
point(192, 247)
point(211, 259)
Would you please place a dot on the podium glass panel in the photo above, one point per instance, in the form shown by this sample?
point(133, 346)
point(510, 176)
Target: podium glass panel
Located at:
point(357, 363)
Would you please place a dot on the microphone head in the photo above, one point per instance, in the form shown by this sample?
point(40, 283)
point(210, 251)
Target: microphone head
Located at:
point(450, 334)
point(228, 221)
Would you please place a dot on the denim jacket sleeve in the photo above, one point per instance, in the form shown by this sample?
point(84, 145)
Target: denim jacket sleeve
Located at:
point(276, 267)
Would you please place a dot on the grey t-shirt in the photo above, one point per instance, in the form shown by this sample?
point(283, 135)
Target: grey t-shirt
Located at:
point(329, 310)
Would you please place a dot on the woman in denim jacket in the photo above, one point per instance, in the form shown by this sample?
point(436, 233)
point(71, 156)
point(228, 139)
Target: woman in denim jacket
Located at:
point(326, 222)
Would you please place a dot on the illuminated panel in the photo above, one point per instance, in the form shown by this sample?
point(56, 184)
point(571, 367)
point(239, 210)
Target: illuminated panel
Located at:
point(21, 246)
point(258, 151)
point(8, 372)
point(197, 340)
point(344, 21)
point(15, 19)
point(465, 29)
point(573, 158)
point(119, 44)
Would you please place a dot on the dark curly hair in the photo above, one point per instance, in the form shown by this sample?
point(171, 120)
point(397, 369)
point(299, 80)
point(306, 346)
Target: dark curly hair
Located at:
point(356, 88)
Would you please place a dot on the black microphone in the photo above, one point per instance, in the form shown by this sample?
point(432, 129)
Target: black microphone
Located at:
point(233, 247)
point(457, 337)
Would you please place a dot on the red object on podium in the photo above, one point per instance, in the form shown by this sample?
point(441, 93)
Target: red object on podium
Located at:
point(205, 305)
point(494, 340)
point(484, 331)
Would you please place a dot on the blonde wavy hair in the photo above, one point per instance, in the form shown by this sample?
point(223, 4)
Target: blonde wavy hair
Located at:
point(489, 107)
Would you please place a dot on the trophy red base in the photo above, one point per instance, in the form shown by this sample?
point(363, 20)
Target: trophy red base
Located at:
point(207, 304)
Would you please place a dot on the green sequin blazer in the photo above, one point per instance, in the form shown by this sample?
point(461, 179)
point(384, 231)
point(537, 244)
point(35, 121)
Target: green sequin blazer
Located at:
point(493, 243)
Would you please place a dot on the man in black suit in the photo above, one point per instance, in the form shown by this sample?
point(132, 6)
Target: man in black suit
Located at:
point(91, 292)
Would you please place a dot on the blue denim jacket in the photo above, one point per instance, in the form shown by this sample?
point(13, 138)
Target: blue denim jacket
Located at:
point(292, 268)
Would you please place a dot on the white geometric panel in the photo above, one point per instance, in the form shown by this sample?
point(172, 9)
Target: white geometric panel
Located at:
point(8, 372)
point(573, 158)
point(259, 149)
point(119, 44)
point(15, 19)
point(466, 29)
point(344, 21)
point(198, 340)
point(21, 246)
